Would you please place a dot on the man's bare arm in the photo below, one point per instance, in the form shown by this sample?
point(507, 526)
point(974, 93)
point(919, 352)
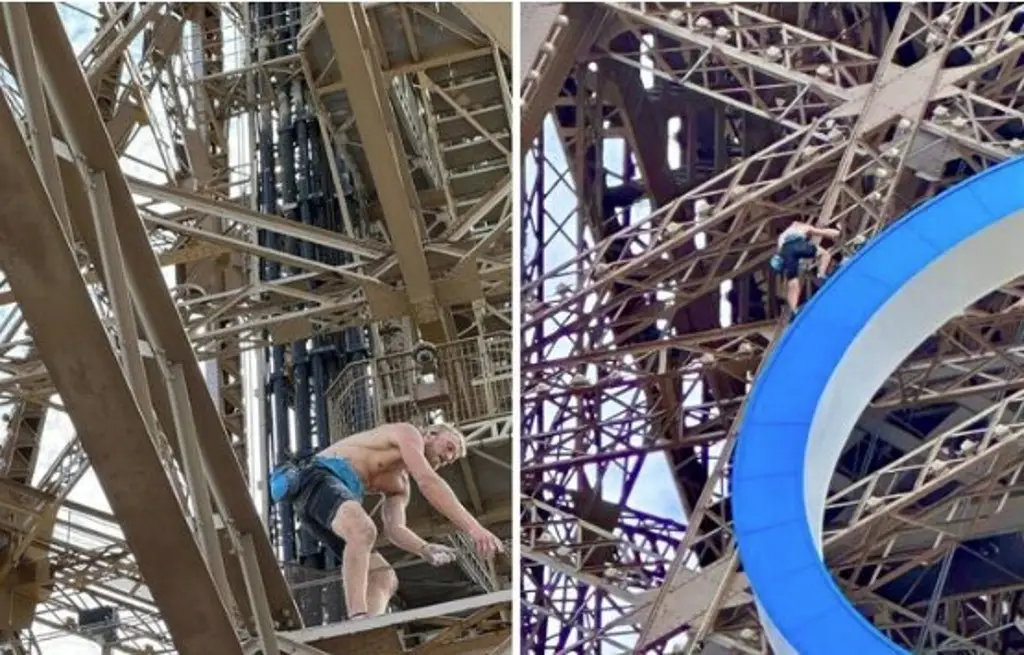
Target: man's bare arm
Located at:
point(431, 485)
point(395, 529)
point(827, 232)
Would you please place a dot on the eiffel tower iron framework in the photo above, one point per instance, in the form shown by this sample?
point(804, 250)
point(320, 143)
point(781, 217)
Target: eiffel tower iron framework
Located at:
point(225, 227)
point(665, 146)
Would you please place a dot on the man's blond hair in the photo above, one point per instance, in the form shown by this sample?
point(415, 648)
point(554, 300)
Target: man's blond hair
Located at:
point(453, 432)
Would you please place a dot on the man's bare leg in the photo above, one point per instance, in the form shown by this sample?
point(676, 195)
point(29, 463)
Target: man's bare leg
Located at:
point(352, 524)
point(793, 293)
point(381, 586)
point(824, 259)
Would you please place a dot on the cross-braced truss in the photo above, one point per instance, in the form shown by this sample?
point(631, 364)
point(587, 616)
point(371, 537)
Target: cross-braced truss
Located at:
point(154, 239)
point(665, 146)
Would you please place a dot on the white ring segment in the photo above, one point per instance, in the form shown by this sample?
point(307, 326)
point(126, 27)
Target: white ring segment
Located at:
point(899, 289)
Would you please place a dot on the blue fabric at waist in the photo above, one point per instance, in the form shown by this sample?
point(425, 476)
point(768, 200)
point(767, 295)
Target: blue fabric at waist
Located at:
point(342, 469)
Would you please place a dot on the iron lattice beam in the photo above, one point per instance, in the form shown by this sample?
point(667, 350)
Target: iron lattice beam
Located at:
point(644, 326)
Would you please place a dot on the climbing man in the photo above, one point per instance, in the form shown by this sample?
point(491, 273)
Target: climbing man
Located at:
point(328, 494)
point(794, 245)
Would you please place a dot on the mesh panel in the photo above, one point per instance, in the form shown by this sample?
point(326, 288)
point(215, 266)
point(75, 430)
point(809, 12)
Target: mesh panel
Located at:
point(478, 373)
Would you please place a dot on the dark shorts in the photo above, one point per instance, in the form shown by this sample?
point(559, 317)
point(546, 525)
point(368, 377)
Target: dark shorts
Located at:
point(321, 493)
point(792, 252)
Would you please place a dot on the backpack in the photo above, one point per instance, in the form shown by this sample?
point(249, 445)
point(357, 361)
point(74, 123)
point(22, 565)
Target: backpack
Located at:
point(284, 483)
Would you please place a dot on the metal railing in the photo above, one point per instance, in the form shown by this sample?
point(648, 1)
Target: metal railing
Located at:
point(476, 371)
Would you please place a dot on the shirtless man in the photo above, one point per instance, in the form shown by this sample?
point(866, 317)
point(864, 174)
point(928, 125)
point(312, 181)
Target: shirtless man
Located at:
point(794, 245)
point(381, 461)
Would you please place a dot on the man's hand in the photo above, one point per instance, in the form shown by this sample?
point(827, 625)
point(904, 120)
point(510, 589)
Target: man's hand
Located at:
point(438, 555)
point(486, 543)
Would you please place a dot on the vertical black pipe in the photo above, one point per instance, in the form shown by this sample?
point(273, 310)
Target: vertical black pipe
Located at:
point(310, 210)
point(293, 21)
point(320, 189)
point(273, 519)
point(278, 17)
point(309, 548)
point(265, 177)
point(303, 410)
point(279, 389)
point(286, 154)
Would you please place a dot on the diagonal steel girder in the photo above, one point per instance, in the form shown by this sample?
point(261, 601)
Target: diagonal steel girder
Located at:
point(348, 27)
point(493, 19)
point(538, 23)
point(67, 87)
point(37, 259)
point(570, 35)
point(231, 211)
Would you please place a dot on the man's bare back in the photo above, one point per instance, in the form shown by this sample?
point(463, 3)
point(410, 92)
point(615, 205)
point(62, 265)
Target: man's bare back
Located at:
point(376, 459)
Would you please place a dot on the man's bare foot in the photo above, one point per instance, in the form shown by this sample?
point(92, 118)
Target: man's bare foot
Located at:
point(358, 616)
